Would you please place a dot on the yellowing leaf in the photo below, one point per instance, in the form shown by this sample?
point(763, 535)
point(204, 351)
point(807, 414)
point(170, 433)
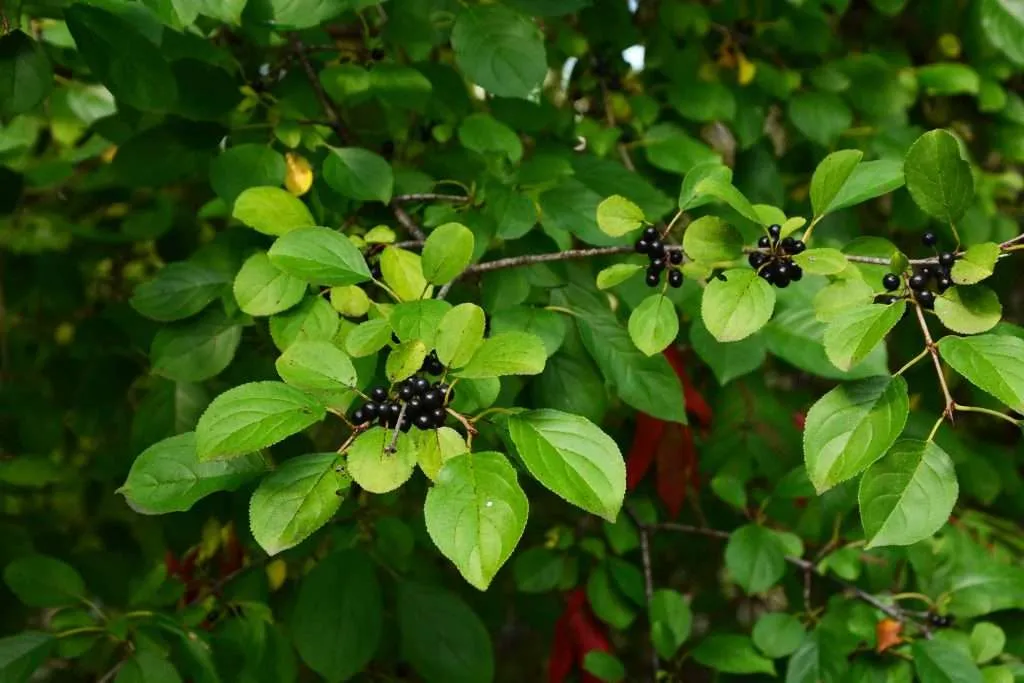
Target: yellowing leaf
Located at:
point(299, 176)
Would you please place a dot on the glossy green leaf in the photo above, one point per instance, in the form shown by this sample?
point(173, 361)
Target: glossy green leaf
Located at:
point(405, 360)
point(950, 78)
point(26, 76)
point(546, 325)
point(419, 320)
point(22, 654)
point(245, 166)
point(726, 192)
point(689, 198)
point(937, 662)
point(618, 216)
point(271, 210)
point(1003, 23)
point(654, 324)
point(368, 338)
point(573, 458)
point(195, 350)
point(373, 466)
point(316, 366)
point(44, 581)
point(671, 619)
point(841, 297)
point(169, 477)
point(314, 319)
point(732, 654)
point(253, 416)
point(500, 50)
point(908, 495)
point(821, 261)
point(447, 252)
point(830, 176)
point(778, 634)
point(510, 353)
point(976, 264)
point(738, 306)
point(179, 290)
point(261, 289)
point(869, 179)
point(727, 360)
point(435, 447)
point(969, 310)
point(403, 272)
point(796, 336)
point(987, 641)
point(853, 334)
point(319, 256)
point(359, 174)
point(460, 334)
point(755, 558)
point(476, 514)
point(485, 134)
point(616, 274)
point(851, 427)
point(821, 116)
point(295, 500)
point(991, 362)
point(939, 180)
point(709, 239)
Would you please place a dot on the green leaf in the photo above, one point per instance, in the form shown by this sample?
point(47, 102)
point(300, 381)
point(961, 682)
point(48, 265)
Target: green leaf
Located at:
point(320, 256)
point(853, 334)
point(26, 77)
point(672, 149)
point(122, 58)
point(316, 366)
point(726, 192)
point(709, 239)
point(778, 634)
point(350, 301)
point(823, 261)
point(1003, 23)
point(939, 180)
point(168, 476)
point(908, 495)
point(500, 50)
point(573, 458)
point(654, 324)
point(606, 601)
point(700, 101)
point(460, 334)
point(851, 427)
point(373, 467)
point(737, 307)
point(195, 350)
point(405, 360)
point(796, 336)
point(732, 654)
point(22, 654)
point(338, 617)
point(646, 383)
point(476, 514)
point(969, 310)
point(617, 216)
point(840, 297)
point(671, 620)
point(419, 320)
point(951, 78)
point(572, 384)
point(987, 641)
point(485, 134)
point(688, 196)
point(548, 326)
point(510, 353)
point(869, 180)
point(604, 666)
point(976, 264)
point(830, 176)
point(254, 416)
point(447, 252)
point(271, 211)
point(145, 666)
point(403, 272)
point(727, 360)
point(990, 362)
point(937, 662)
point(368, 338)
point(43, 581)
point(314, 319)
point(179, 290)
point(245, 166)
point(435, 447)
point(441, 637)
point(821, 116)
point(818, 660)
point(755, 558)
point(359, 174)
point(261, 289)
point(295, 500)
point(616, 274)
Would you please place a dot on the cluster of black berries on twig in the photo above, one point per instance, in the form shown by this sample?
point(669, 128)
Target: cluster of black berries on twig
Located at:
point(425, 405)
point(661, 258)
point(773, 260)
point(940, 620)
point(432, 365)
point(925, 282)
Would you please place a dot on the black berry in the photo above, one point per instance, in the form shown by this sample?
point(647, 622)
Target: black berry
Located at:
point(885, 299)
point(788, 243)
point(653, 276)
point(420, 385)
point(947, 259)
point(781, 271)
point(359, 417)
point(891, 282)
point(918, 282)
point(796, 273)
point(798, 247)
point(642, 247)
point(657, 248)
point(929, 239)
point(439, 416)
point(370, 410)
point(658, 264)
point(405, 391)
point(650, 234)
point(775, 230)
point(675, 278)
point(767, 274)
point(944, 283)
point(424, 422)
point(756, 259)
point(764, 242)
point(379, 394)
point(926, 298)
point(432, 398)
point(676, 257)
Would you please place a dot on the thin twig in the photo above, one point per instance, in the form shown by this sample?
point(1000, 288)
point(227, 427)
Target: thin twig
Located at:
point(645, 557)
point(393, 446)
point(408, 223)
point(333, 119)
point(429, 197)
point(533, 259)
point(934, 351)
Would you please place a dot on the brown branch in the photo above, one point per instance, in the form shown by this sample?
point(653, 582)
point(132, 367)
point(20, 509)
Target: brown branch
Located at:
point(333, 119)
point(645, 555)
point(408, 223)
point(429, 197)
point(393, 446)
point(948, 410)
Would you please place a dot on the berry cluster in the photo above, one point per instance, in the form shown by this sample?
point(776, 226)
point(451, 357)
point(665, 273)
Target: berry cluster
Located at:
point(424, 402)
point(939, 620)
point(774, 259)
point(922, 278)
point(432, 365)
point(661, 258)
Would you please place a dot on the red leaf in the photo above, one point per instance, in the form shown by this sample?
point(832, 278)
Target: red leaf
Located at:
point(676, 459)
point(576, 634)
point(800, 420)
point(695, 403)
point(641, 453)
point(562, 651)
